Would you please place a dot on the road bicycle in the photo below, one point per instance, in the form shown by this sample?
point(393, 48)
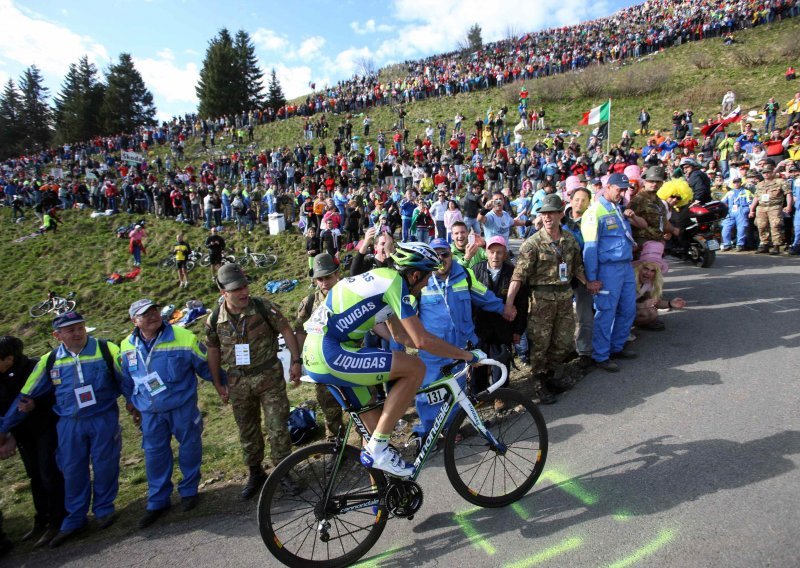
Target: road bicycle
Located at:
point(259, 259)
point(53, 303)
point(336, 508)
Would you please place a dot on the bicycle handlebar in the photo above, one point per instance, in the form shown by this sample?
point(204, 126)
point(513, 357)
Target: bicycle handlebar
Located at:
point(503, 374)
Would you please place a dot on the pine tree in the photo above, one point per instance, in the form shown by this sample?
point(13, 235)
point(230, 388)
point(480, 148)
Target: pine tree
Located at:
point(275, 99)
point(219, 90)
point(127, 103)
point(77, 107)
point(474, 38)
point(36, 115)
point(253, 85)
point(10, 121)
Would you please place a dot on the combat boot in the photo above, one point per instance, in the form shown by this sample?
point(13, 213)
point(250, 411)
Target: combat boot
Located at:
point(254, 482)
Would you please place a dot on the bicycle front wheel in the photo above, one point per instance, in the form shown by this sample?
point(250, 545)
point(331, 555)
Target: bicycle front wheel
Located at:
point(167, 263)
point(291, 522)
point(189, 265)
point(267, 260)
point(491, 477)
point(205, 260)
point(40, 309)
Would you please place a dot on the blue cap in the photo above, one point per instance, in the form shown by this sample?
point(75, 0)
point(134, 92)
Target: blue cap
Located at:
point(67, 319)
point(620, 180)
point(440, 244)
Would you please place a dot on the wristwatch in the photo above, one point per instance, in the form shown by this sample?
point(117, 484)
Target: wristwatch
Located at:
point(297, 361)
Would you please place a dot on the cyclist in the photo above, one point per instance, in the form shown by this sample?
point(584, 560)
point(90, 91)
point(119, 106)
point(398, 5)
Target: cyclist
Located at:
point(333, 351)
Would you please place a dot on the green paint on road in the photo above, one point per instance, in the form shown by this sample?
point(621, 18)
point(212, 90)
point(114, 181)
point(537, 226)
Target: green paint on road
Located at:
point(622, 515)
point(660, 541)
point(570, 486)
point(375, 561)
point(472, 534)
point(547, 554)
point(520, 511)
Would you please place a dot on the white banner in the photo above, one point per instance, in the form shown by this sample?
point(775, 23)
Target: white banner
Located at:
point(57, 173)
point(132, 157)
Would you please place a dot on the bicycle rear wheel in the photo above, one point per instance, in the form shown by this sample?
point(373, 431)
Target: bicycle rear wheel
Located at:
point(205, 260)
point(491, 478)
point(189, 265)
point(40, 309)
point(65, 306)
point(167, 263)
point(289, 524)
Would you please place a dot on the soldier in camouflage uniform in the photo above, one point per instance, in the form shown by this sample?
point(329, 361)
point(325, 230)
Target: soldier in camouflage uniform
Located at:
point(325, 274)
point(647, 205)
point(768, 208)
point(242, 335)
point(549, 261)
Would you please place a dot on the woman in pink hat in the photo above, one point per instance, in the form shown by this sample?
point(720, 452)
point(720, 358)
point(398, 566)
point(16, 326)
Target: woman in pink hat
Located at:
point(650, 270)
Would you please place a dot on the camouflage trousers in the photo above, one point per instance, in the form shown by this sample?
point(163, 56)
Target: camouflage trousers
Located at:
point(331, 409)
point(248, 396)
point(770, 221)
point(551, 332)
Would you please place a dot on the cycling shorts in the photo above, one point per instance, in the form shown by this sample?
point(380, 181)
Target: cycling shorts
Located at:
point(353, 369)
point(180, 264)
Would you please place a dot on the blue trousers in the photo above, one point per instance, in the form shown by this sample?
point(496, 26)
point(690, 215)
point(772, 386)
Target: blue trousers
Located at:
point(615, 307)
point(406, 228)
point(736, 221)
point(796, 242)
point(97, 439)
point(427, 412)
point(158, 428)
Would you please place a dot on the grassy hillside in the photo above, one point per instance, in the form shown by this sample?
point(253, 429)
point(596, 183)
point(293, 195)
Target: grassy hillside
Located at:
point(85, 251)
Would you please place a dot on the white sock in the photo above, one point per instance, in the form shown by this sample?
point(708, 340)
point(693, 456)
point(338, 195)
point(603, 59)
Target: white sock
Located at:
point(377, 443)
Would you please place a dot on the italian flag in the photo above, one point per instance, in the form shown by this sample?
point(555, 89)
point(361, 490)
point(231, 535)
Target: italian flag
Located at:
point(597, 114)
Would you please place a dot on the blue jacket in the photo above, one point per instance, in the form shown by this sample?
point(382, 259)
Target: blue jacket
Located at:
point(607, 236)
point(176, 355)
point(445, 308)
point(68, 375)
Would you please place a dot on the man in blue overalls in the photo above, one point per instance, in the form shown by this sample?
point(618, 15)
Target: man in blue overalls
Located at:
point(159, 365)
point(445, 309)
point(793, 169)
point(738, 200)
point(607, 256)
point(85, 380)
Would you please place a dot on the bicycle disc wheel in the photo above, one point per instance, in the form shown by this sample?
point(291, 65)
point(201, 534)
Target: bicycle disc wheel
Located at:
point(290, 524)
point(65, 306)
point(491, 478)
point(40, 309)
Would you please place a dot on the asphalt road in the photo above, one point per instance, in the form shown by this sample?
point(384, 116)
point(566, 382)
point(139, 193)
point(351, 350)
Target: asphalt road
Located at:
point(687, 457)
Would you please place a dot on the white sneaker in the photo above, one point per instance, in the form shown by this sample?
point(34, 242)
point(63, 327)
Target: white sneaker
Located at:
point(389, 461)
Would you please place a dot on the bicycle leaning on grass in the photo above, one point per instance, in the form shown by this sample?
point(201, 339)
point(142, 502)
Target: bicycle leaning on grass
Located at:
point(335, 509)
point(53, 303)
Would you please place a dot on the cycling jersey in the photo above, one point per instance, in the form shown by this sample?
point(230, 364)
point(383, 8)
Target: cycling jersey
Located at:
point(356, 304)
point(333, 351)
point(182, 251)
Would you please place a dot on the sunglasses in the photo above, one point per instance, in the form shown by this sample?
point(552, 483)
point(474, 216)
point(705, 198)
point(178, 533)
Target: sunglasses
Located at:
point(444, 254)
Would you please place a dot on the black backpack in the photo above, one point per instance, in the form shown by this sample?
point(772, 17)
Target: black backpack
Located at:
point(104, 351)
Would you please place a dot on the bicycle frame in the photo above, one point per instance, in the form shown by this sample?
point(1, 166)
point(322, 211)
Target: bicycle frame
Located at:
point(454, 394)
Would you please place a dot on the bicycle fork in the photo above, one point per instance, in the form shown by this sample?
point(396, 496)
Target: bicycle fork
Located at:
point(463, 400)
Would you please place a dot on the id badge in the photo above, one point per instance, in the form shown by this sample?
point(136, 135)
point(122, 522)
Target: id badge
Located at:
point(133, 360)
point(735, 209)
point(154, 384)
point(562, 271)
point(765, 197)
point(84, 396)
point(242, 353)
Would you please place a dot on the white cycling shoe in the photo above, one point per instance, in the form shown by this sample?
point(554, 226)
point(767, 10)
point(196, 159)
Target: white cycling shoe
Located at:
point(388, 460)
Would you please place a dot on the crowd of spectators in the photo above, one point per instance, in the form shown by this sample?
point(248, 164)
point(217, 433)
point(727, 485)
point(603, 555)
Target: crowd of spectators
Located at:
point(469, 188)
